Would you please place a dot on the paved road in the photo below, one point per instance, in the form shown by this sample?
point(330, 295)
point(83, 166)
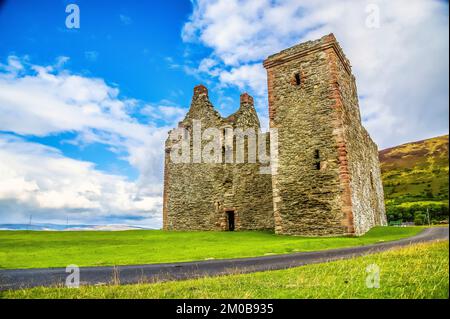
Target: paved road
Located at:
point(22, 278)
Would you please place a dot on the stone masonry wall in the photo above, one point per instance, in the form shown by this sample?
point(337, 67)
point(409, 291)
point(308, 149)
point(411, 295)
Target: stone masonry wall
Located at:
point(313, 103)
point(361, 158)
point(192, 188)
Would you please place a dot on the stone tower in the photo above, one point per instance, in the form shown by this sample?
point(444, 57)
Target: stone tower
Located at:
point(328, 180)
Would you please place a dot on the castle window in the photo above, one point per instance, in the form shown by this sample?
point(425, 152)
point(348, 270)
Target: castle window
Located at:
point(371, 181)
point(297, 79)
point(316, 154)
point(317, 159)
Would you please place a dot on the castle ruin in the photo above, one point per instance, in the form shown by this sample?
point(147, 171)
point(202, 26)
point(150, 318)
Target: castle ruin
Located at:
point(325, 179)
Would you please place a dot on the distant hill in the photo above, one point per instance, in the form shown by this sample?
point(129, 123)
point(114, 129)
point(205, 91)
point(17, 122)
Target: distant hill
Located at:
point(53, 227)
point(415, 177)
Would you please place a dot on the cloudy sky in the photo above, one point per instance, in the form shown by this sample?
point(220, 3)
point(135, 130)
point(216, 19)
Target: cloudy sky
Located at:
point(84, 112)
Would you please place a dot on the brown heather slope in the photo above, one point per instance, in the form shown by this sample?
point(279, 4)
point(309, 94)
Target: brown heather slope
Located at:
point(415, 176)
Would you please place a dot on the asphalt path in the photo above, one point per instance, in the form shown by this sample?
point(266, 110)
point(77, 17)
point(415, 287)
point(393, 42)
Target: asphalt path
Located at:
point(25, 278)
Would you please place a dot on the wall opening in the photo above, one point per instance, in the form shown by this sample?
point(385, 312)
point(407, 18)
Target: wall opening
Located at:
point(317, 159)
point(298, 80)
point(224, 154)
point(371, 182)
point(227, 184)
point(230, 220)
point(316, 154)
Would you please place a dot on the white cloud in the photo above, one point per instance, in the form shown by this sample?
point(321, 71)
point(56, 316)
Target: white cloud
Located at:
point(126, 20)
point(46, 103)
point(91, 56)
point(13, 65)
point(165, 110)
point(61, 61)
point(247, 75)
point(48, 100)
point(401, 68)
point(41, 181)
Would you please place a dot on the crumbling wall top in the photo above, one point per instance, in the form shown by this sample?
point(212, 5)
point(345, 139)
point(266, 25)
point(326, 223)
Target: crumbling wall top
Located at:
point(200, 90)
point(299, 50)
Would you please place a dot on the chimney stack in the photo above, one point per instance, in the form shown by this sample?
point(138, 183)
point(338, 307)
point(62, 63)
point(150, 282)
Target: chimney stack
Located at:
point(200, 90)
point(246, 99)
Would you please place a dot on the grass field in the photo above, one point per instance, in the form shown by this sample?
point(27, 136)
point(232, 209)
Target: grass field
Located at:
point(418, 271)
point(34, 249)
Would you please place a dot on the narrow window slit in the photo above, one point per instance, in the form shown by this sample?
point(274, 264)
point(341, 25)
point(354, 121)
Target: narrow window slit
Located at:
point(317, 159)
point(316, 154)
point(297, 79)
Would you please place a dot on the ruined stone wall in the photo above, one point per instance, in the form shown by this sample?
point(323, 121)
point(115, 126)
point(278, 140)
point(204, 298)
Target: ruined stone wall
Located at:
point(193, 188)
point(198, 195)
point(252, 191)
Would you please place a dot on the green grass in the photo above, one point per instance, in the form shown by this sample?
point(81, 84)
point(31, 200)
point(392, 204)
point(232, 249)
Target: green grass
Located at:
point(34, 249)
point(418, 271)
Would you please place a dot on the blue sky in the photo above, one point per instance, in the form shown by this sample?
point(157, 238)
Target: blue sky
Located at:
point(128, 46)
point(84, 112)
point(131, 53)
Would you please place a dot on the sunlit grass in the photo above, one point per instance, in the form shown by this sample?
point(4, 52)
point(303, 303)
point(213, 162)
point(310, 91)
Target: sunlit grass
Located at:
point(418, 271)
point(38, 249)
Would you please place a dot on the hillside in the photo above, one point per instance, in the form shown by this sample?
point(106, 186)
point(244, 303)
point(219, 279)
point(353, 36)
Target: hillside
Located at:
point(415, 177)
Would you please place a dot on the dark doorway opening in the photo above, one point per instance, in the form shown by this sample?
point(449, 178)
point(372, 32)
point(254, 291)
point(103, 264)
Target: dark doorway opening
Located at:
point(230, 219)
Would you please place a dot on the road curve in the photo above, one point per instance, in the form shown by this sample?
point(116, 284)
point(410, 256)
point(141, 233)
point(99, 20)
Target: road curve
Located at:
point(26, 278)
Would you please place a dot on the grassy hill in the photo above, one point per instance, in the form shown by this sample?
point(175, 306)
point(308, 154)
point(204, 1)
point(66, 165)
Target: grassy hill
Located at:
point(415, 178)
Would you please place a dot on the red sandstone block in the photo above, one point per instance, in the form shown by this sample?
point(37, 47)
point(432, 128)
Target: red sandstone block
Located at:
point(200, 89)
point(246, 98)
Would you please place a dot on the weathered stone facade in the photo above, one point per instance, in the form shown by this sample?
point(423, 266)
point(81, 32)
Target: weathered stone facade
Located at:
point(200, 196)
point(327, 179)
